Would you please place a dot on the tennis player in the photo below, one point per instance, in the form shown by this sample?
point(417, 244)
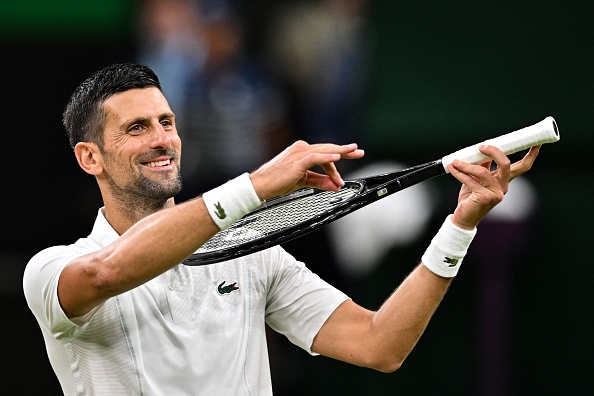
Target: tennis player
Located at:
point(121, 316)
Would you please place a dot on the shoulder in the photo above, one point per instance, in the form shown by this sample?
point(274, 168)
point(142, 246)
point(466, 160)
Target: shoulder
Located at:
point(49, 257)
point(55, 256)
point(43, 269)
point(60, 255)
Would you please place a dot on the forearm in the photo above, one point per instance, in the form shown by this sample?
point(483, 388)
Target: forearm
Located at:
point(157, 243)
point(398, 325)
point(149, 248)
point(406, 313)
point(383, 339)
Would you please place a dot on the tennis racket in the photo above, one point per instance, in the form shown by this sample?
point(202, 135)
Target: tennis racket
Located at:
point(290, 216)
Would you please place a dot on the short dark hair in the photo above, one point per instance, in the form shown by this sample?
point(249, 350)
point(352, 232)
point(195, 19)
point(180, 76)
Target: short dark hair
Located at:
point(84, 117)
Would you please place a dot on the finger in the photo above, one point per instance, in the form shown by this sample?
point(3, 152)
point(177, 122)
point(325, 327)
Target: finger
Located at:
point(503, 163)
point(330, 168)
point(347, 151)
point(326, 155)
point(312, 159)
point(327, 148)
point(525, 164)
point(319, 154)
point(355, 154)
point(479, 183)
point(470, 175)
point(333, 174)
point(323, 182)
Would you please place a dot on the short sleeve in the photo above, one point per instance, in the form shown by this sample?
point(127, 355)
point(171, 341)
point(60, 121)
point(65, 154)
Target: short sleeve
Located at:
point(40, 285)
point(299, 301)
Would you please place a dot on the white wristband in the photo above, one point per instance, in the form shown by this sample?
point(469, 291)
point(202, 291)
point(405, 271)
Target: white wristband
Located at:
point(444, 255)
point(231, 201)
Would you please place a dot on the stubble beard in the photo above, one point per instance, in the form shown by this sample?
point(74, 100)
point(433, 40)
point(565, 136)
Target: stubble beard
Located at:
point(154, 191)
point(143, 195)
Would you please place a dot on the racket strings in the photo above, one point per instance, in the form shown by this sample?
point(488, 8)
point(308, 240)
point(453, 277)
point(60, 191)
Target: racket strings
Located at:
point(260, 224)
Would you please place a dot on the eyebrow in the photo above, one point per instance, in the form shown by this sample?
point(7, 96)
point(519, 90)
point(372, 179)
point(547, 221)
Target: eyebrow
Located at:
point(166, 115)
point(145, 120)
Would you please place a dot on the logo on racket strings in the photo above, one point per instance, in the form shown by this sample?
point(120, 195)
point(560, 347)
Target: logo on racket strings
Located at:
point(220, 212)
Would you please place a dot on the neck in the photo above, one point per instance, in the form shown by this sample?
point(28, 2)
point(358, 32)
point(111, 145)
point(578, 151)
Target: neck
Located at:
point(123, 214)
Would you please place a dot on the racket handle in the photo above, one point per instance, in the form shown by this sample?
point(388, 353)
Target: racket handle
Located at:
point(542, 132)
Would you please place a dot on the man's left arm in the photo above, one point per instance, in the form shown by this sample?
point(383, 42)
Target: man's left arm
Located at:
point(382, 340)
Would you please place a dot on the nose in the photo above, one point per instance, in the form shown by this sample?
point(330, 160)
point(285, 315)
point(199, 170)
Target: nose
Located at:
point(161, 138)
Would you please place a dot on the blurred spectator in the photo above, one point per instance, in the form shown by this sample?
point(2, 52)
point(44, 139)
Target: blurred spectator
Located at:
point(231, 117)
point(323, 50)
point(170, 41)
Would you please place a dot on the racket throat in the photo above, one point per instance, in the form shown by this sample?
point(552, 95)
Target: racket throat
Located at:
point(428, 172)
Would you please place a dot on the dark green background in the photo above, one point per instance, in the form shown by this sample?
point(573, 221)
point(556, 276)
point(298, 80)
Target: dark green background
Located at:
point(444, 75)
point(452, 72)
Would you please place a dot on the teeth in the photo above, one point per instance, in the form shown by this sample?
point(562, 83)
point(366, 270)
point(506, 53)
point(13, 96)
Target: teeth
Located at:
point(158, 163)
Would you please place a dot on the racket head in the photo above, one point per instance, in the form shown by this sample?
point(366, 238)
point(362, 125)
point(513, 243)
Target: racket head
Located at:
point(290, 216)
point(276, 221)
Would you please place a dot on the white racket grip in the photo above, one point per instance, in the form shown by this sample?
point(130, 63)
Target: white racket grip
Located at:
point(545, 131)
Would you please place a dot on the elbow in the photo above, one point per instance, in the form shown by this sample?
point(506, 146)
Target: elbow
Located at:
point(388, 366)
point(85, 283)
point(382, 362)
point(100, 276)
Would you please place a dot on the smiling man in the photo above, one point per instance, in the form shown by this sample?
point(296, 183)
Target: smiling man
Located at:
point(136, 162)
point(121, 316)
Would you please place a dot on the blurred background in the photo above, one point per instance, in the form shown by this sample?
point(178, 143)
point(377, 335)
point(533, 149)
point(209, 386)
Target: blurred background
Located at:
point(410, 82)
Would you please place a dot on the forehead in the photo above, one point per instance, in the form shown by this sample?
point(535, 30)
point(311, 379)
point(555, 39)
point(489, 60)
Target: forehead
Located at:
point(135, 103)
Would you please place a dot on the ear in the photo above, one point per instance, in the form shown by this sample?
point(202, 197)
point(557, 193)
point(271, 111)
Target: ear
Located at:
point(89, 157)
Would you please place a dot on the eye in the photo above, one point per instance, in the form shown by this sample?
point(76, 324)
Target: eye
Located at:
point(135, 129)
point(166, 123)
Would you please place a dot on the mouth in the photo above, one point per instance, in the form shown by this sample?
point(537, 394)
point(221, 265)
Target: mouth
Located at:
point(158, 164)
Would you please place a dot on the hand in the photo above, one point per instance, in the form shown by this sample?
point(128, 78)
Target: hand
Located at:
point(483, 189)
point(289, 170)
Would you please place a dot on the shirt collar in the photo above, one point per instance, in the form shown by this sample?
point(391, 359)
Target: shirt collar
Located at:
point(103, 233)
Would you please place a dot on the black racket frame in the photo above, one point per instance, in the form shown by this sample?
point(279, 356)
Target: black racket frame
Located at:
point(370, 189)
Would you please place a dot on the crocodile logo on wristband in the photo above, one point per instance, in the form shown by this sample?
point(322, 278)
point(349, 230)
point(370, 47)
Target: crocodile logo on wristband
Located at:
point(451, 261)
point(220, 212)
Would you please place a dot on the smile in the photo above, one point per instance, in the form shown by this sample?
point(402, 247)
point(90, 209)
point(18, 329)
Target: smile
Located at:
point(156, 164)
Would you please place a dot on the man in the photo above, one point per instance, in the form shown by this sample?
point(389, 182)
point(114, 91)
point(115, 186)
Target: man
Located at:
point(121, 316)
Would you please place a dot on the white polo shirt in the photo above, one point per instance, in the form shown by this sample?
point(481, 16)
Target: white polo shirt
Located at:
point(191, 331)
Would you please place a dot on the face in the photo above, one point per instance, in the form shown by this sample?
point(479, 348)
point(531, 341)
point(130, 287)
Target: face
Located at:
point(141, 148)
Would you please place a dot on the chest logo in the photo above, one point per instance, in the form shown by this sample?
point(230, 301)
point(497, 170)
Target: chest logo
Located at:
point(227, 289)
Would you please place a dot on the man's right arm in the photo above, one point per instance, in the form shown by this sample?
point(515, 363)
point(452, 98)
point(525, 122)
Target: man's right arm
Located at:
point(147, 249)
point(164, 239)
